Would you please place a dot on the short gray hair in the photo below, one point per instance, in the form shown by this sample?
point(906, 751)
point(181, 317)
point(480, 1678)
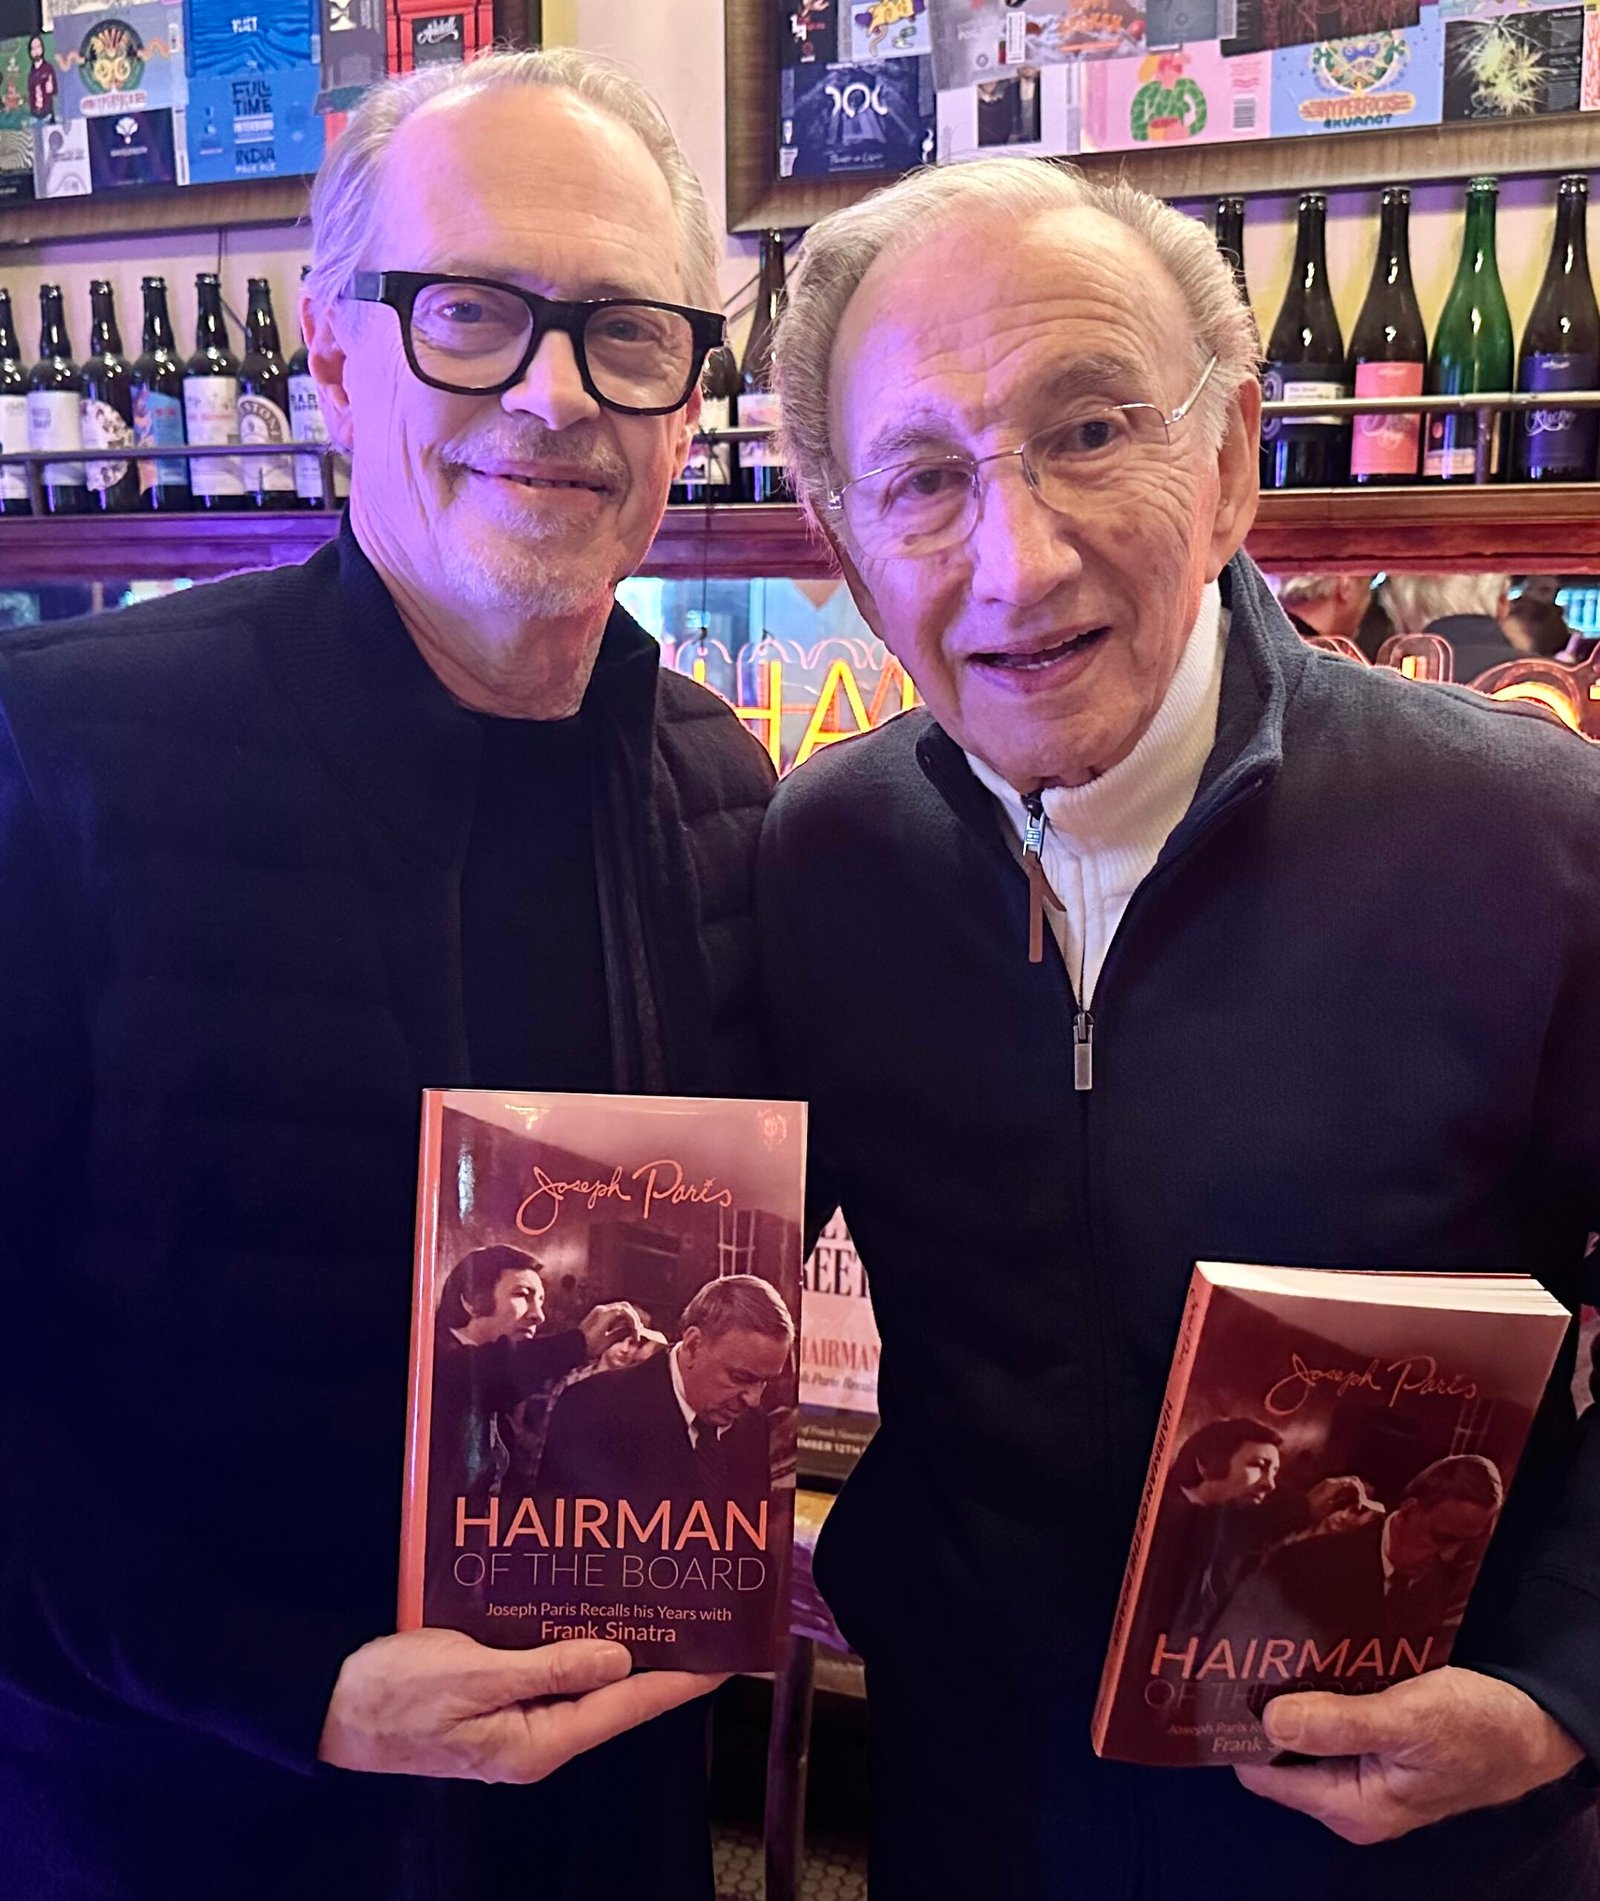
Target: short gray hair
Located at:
point(840, 249)
point(739, 1303)
point(1296, 588)
point(344, 199)
point(1414, 601)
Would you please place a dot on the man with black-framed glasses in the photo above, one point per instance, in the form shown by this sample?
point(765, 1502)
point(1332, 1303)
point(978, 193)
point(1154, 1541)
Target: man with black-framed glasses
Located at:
point(276, 854)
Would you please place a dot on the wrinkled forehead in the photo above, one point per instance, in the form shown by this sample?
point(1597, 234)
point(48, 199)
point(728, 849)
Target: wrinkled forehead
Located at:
point(976, 322)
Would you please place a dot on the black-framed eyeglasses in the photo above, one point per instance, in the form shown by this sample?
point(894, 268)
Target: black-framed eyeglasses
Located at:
point(475, 336)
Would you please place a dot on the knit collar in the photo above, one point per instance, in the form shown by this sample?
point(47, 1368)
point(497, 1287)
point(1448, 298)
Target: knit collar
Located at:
point(386, 727)
point(1135, 806)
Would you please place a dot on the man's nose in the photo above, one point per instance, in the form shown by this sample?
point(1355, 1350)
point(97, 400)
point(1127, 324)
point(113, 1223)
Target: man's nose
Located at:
point(1022, 550)
point(551, 387)
point(751, 1396)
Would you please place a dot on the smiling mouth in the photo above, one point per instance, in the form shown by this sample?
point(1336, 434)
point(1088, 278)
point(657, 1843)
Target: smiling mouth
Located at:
point(1042, 657)
point(581, 484)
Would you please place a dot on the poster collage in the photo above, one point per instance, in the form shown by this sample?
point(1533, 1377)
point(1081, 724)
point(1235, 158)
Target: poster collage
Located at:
point(98, 96)
point(883, 85)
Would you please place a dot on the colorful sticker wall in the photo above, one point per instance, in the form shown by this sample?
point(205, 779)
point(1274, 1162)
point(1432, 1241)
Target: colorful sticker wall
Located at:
point(98, 96)
point(1119, 75)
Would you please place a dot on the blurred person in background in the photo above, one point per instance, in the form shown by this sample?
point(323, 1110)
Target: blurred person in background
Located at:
point(1468, 610)
point(1332, 604)
point(1534, 622)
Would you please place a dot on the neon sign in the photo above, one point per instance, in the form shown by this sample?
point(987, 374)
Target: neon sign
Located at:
point(798, 699)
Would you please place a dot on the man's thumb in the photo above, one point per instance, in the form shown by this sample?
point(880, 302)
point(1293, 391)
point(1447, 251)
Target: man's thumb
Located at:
point(563, 1669)
point(1321, 1723)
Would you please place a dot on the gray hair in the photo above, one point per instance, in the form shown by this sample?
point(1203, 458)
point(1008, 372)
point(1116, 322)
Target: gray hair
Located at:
point(1296, 588)
point(344, 199)
point(1415, 601)
point(840, 250)
point(1465, 1477)
point(739, 1303)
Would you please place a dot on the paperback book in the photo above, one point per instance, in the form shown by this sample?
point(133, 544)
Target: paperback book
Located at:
point(603, 1378)
point(1333, 1454)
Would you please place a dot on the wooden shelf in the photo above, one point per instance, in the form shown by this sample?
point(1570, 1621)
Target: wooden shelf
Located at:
point(1552, 529)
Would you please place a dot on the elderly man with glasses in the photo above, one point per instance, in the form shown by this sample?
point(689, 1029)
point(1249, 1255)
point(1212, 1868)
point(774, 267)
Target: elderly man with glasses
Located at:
point(1155, 936)
point(275, 854)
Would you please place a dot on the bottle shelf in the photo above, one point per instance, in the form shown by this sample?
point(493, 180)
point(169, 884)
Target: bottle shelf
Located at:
point(1548, 528)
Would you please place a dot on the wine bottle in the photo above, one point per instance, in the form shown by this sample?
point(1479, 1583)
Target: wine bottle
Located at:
point(211, 402)
point(1230, 241)
point(711, 472)
point(55, 395)
point(107, 411)
point(1389, 354)
point(13, 415)
point(762, 476)
point(1471, 347)
point(158, 406)
point(306, 425)
point(1561, 350)
point(264, 404)
point(1306, 363)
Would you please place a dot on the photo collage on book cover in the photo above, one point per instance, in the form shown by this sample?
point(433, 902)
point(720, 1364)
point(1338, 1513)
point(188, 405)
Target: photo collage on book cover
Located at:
point(882, 85)
point(98, 96)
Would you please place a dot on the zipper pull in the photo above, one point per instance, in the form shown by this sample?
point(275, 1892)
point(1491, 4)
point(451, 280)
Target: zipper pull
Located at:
point(1033, 865)
point(1083, 1051)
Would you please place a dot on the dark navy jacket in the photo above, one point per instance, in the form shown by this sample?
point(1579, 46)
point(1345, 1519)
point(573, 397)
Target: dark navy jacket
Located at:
point(232, 831)
point(1351, 1019)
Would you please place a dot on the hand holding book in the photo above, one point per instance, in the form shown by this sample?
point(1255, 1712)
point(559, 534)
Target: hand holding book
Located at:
point(437, 1703)
point(1417, 1752)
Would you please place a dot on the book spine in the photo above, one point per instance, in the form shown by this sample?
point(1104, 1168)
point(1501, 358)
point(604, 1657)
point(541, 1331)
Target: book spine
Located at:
point(414, 1501)
point(1172, 1404)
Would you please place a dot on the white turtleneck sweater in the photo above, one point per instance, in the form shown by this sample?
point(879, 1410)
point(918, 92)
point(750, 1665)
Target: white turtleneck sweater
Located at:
point(1101, 839)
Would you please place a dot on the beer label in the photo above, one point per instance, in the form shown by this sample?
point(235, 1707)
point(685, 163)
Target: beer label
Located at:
point(13, 437)
point(1558, 442)
point(54, 423)
point(306, 425)
point(1300, 383)
point(1386, 445)
point(758, 408)
point(710, 464)
point(262, 421)
point(211, 415)
point(1452, 451)
point(158, 424)
point(104, 428)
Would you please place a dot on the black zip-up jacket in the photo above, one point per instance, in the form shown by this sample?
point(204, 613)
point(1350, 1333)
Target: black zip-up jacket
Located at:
point(232, 831)
point(1350, 1019)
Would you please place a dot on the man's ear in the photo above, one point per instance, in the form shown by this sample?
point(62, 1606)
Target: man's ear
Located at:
point(1239, 478)
point(689, 421)
point(325, 358)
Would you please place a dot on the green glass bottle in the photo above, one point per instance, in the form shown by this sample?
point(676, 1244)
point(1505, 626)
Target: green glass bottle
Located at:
point(1472, 348)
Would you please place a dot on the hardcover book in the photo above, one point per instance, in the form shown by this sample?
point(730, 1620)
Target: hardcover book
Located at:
point(603, 1374)
point(1333, 1454)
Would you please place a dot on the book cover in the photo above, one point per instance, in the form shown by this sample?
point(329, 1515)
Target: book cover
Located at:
point(1188, 95)
point(1333, 1455)
point(877, 116)
point(1367, 83)
point(254, 125)
point(839, 1354)
point(1515, 65)
point(602, 1424)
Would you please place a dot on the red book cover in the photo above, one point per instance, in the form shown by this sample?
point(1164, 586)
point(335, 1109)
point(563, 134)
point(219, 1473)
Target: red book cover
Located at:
point(601, 1438)
point(1333, 1454)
